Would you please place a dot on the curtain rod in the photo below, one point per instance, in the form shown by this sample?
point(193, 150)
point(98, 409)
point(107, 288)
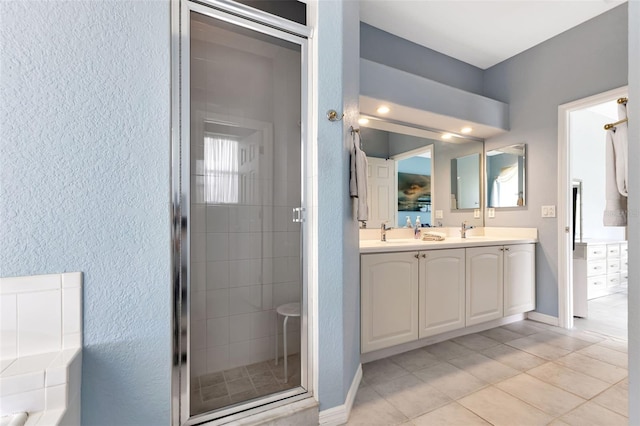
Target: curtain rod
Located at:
point(612, 125)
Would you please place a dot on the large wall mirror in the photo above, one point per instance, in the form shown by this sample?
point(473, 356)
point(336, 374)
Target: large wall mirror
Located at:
point(506, 176)
point(410, 173)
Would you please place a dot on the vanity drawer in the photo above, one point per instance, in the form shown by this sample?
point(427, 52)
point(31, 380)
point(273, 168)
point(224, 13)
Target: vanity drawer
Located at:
point(624, 263)
point(624, 249)
point(624, 277)
point(613, 250)
point(613, 280)
point(598, 251)
point(613, 265)
point(596, 286)
point(596, 267)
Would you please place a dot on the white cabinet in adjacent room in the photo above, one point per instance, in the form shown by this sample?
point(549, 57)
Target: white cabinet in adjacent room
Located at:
point(389, 299)
point(484, 273)
point(519, 278)
point(441, 291)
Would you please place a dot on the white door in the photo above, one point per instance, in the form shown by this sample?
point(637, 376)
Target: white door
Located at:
point(484, 284)
point(519, 278)
point(381, 192)
point(441, 290)
point(389, 299)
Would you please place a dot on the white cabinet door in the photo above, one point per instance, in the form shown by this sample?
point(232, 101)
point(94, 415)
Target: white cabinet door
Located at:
point(441, 290)
point(484, 284)
point(389, 299)
point(381, 192)
point(519, 278)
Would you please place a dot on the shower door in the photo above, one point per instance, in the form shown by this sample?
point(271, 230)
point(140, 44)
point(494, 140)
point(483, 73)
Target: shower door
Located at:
point(244, 230)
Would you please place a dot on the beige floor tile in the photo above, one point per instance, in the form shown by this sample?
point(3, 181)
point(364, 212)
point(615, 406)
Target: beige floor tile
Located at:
point(592, 414)
point(450, 380)
point(569, 380)
point(602, 353)
point(542, 350)
point(616, 398)
point(514, 358)
point(447, 350)
point(452, 414)
point(370, 409)
point(523, 327)
point(499, 408)
point(484, 368)
point(616, 345)
point(411, 396)
point(415, 360)
point(548, 398)
point(593, 367)
point(381, 371)
point(501, 334)
point(561, 341)
point(476, 342)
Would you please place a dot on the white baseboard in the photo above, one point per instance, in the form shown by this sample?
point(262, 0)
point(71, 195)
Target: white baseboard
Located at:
point(543, 318)
point(339, 415)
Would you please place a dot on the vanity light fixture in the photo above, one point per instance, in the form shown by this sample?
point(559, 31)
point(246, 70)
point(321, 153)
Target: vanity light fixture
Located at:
point(446, 136)
point(383, 109)
point(362, 121)
point(466, 129)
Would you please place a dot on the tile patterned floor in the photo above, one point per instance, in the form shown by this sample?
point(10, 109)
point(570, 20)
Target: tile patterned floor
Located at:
point(607, 315)
point(525, 373)
point(216, 390)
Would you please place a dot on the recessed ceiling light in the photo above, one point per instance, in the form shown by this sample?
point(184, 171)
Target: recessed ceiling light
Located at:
point(466, 129)
point(446, 136)
point(363, 121)
point(383, 109)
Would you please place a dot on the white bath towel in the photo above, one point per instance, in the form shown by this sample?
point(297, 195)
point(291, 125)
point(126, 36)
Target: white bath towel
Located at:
point(615, 211)
point(358, 180)
point(621, 151)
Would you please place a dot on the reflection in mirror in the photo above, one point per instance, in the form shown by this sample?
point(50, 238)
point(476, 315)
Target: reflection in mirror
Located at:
point(409, 175)
point(465, 182)
point(506, 176)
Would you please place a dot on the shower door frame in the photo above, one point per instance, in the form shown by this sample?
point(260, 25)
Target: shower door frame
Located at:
point(252, 19)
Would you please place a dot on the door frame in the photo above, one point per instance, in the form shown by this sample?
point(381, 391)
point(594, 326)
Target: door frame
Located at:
point(565, 223)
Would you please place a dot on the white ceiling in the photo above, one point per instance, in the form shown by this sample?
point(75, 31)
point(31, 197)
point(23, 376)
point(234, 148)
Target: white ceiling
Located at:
point(480, 32)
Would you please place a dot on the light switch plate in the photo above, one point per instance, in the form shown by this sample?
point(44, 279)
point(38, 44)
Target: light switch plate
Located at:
point(476, 213)
point(491, 212)
point(438, 214)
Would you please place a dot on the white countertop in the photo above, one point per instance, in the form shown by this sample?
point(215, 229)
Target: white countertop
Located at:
point(483, 237)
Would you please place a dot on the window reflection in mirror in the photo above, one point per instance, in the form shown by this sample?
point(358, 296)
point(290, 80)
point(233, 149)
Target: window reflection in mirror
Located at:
point(506, 176)
point(465, 182)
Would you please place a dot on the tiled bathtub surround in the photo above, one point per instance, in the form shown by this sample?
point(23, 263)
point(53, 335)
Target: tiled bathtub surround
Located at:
point(40, 347)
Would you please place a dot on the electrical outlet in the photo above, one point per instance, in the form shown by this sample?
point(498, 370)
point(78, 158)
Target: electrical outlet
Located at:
point(548, 211)
point(491, 212)
point(438, 214)
point(476, 213)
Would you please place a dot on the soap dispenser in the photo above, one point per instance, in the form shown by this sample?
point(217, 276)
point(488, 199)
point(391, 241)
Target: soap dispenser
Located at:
point(408, 224)
point(416, 230)
point(418, 223)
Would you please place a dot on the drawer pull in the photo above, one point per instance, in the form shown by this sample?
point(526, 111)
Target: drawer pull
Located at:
point(417, 256)
point(597, 267)
point(424, 255)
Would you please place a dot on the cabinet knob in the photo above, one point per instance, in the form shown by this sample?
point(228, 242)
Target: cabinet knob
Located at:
point(424, 255)
point(506, 249)
point(417, 256)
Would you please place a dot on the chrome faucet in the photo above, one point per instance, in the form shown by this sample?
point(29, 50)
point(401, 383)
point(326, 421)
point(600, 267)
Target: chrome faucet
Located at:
point(383, 232)
point(463, 230)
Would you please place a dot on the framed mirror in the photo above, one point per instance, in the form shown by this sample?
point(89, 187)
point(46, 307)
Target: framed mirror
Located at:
point(506, 176)
point(465, 182)
point(409, 175)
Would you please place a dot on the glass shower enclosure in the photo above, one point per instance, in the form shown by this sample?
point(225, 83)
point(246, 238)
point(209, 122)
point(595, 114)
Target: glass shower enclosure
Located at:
point(242, 151)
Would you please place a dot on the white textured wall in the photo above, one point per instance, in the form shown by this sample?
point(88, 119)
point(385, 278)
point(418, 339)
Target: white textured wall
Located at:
point(84, 163)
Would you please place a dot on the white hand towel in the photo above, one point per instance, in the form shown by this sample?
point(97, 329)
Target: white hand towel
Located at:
point(621, 151)
point(358, 180)
point(615, 212)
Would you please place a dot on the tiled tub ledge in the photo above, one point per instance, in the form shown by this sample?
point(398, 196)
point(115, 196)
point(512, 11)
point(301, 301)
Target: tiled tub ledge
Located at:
point(41, 348)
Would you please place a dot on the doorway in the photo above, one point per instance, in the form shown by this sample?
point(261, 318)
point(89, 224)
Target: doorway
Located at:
point(592, 268)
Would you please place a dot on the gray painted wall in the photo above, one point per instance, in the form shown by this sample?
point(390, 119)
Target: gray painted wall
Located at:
point(634, 213)
point(388, 49)
point(375, 143)
point(338, 243)
point(586, 60)
point(84, 155)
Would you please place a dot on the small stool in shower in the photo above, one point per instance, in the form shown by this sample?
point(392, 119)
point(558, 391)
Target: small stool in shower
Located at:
point(287, 310)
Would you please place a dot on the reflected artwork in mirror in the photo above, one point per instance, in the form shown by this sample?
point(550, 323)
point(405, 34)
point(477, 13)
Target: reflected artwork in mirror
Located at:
point(465, 182)
point(506, 184)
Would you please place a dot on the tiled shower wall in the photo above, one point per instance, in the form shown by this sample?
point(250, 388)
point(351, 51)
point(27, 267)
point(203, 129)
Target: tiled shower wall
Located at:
point(245, 257)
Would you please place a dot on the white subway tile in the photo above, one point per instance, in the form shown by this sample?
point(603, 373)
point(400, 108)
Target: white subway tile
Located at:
point(240, 327)
point(267, 192)
point(218, 359)
point(198, 276)
point(198, 335)
point(51, 417)
point(8, 326)
point(218, 218)
point(286, 293)
point(29, 364)
point(198, 249)
point(29, 283)
point(55, 397)
point(267, 297)
point(21, 383)
point(218, 332)
point(245, 272)
point(25, 401)
point(218, 275)
point(71, 340)
point(243, 300)
point(263, 324)
point(218, 246)
point(268, 223)
point(217, 303)
point(39, 322)
point(246, 245)
point(283, 215)
point(71, 310)
point(267, 244)
point(199, 306)
point(198, 362)
point(240, 353)
point(198, 218)
point(264, 348)
point(267, 271)
point(5, 363)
